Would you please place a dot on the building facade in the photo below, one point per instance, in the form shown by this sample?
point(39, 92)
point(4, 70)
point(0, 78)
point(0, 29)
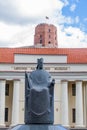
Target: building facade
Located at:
point(67, 66)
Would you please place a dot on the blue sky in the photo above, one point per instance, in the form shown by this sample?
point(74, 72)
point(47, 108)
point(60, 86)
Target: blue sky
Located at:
point(18, 19)
point(77, 9)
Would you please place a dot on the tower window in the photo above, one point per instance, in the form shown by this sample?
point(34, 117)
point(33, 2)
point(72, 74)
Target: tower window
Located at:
point(73, 115)
point(7, 90)
point(73, 89)
point(40, 41)
point(6, 114)
point(49, 30)
point(40, 36)
point(49, 42)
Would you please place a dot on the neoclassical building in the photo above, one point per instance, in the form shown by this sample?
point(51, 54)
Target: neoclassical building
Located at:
point(67, 66)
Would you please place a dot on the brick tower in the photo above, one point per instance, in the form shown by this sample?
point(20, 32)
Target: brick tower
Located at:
point(45, 36)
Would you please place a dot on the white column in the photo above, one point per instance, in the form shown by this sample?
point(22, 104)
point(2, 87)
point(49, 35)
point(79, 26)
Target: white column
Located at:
point(15, 105)
point(79, 104)
point(65, 117)
point(2, 102)
point(84, 103)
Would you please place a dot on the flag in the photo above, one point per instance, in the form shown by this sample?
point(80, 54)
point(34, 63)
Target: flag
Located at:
point(47, 17)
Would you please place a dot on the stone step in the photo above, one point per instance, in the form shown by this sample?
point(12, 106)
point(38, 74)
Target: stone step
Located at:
point(6, 128)
point(78, 129)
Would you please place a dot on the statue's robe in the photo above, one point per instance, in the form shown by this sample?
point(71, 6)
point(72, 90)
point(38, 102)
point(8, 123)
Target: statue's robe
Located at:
point(39, 96)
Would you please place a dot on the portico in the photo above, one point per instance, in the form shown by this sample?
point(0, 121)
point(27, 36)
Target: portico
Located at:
point(9, 102)
point(72, 104)
point(71, 108)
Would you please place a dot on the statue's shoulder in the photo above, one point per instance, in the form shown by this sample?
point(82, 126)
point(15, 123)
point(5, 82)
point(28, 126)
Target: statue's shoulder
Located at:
point(40, 72)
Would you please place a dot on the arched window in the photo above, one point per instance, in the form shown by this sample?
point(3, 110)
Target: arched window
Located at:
point(40, 41)
point(49, 42)
point(49, 30)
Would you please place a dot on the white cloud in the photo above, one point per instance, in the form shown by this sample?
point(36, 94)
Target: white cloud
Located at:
point(36, 8)
point(66, 2)
point(68, 20)
point(73, 7)
point(76, 39)
point(6, 31)
point(24, 38)
point(28, 11)
point(62, 19)
point(77, 19)
point(16, 35)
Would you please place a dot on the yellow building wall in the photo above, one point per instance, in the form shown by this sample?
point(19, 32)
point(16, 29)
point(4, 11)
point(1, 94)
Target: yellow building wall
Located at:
point(8, 102)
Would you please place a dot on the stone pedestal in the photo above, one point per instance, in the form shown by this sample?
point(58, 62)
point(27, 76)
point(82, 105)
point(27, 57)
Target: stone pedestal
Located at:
point(38, 127)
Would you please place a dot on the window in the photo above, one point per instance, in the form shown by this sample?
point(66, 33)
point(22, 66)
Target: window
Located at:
point(73, 90)
point(49, 30)
point(49, 42)
point(40, 41)
point(40, 36)
point(73, 115)
point(6, 114)
point(7, 90)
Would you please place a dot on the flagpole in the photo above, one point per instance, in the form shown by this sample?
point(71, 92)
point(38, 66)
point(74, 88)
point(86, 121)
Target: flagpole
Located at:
point(47, 19)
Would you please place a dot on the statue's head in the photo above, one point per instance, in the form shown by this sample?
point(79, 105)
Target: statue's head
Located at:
point(40, 63)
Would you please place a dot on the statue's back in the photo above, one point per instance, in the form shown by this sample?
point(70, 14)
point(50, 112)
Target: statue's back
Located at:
point(39, 95)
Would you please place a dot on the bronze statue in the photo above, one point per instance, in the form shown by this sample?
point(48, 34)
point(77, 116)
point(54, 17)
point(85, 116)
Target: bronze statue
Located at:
point(39, 96)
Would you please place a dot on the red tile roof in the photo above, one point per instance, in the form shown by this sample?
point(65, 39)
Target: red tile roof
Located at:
point(73, 55)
